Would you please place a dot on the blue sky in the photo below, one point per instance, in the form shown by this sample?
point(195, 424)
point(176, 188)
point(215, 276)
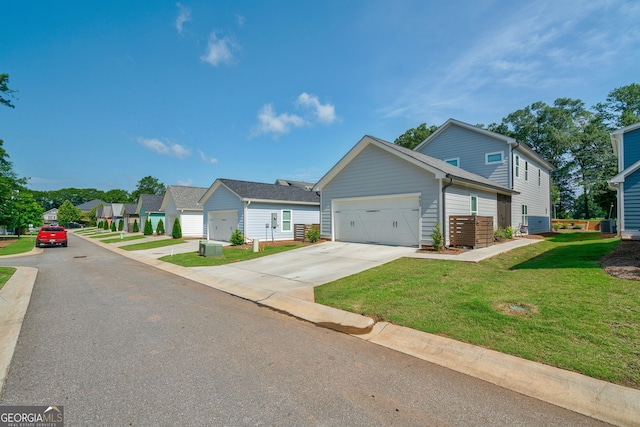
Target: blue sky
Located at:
point(109, 92)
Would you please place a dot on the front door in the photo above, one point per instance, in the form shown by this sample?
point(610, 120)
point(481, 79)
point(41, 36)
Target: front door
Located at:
point(504, 211)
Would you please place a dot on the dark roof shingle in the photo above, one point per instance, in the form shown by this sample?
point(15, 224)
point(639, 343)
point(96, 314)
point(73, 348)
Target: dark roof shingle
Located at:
point(262, 191)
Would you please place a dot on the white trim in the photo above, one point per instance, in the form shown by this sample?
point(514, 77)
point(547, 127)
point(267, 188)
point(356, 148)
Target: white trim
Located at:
point(486, 157)
point(282, 211)
point(471, 197)
point(453, 159)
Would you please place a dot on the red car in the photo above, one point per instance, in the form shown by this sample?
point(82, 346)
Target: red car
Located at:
point(51, 235)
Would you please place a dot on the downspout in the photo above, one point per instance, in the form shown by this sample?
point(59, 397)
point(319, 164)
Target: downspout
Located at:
point(244, 220)
point(444, 187)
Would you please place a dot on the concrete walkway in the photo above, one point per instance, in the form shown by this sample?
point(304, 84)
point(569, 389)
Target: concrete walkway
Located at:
point(598, 399)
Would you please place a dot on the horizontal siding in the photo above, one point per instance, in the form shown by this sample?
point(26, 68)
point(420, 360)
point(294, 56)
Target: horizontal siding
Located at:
point(471, 147)
point(259, 214)
point(631, 147)
point(222, 200)
point(536, 197)
point(191, 225)
point(458, 202)
point(374, 172)
point(632, 202)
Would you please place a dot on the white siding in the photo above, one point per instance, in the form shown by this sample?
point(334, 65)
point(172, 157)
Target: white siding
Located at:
point(222, 200)
point(191, 224)
point(536, 197)
point(259, 214)
point(458, 202)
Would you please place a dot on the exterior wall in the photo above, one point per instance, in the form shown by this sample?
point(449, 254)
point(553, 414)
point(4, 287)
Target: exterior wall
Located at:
point(631, 194)
point(471, 148)
point(631, 148)
point(170, 215)
point(537, 197)
point(155, 219)
point(223, 200)
point(374, 172)
point(458, 202)
point(259, 214)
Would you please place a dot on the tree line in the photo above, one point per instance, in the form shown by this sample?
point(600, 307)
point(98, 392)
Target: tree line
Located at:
point(574, 139)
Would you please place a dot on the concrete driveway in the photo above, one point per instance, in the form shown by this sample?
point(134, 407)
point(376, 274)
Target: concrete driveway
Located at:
point(296, 272)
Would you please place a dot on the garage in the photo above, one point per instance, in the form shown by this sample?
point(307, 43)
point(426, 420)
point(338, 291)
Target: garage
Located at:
point(221, 224)
point(387, 220)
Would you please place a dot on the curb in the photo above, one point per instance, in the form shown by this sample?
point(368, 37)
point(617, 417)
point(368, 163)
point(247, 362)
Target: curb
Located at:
point(14, 300)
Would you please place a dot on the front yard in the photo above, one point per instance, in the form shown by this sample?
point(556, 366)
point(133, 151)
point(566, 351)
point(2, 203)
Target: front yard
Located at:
point(550, 302)
point(230, 254)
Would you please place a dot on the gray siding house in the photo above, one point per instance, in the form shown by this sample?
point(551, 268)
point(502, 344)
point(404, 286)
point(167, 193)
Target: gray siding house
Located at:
point(253, 208)
point(503, 160)
point(182, 203)
point(383, 193)
point(626, 146)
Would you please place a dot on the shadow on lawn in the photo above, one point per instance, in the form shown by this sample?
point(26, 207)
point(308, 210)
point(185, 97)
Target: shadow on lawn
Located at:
point(575, 252)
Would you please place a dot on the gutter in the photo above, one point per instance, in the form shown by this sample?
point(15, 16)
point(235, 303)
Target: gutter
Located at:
point(444, 214)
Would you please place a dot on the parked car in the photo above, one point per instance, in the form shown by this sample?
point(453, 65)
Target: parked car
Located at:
point(51, 235)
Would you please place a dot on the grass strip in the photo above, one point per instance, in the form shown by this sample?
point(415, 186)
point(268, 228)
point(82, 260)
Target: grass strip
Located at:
point(19, 246)
point(550, 302)
point(105, 235)
point(125, 239)
point(229, 255)
point(152, 245)
point(5, 275)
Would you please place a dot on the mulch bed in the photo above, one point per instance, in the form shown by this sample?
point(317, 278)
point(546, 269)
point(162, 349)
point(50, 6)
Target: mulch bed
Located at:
point(6, 242)
point(624, 261)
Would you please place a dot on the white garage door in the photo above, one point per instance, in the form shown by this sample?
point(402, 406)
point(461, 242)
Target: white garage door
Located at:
point(191, 224)
point(387, 221)
point(221, 224)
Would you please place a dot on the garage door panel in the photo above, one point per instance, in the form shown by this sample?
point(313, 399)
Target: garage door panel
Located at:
point(222, 224)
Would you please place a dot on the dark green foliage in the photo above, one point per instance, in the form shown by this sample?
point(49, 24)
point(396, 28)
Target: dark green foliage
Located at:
point(136, 227)
point(436, 238)
point(160, 228)
point(113, 225)
point(148, 228)
point(237, 238)
point(176, 233)
point(312, 234)
point(105, 225)
point(120, 225)
point(100, 225)
point(414, 136)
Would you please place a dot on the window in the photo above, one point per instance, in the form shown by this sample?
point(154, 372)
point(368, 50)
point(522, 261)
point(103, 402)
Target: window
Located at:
point(454, 162)
point(491, 158)
point(517, 166)
point(474, 205)
point(286, 220)
point(525, 215)
point(526, 171)
point(539, 177)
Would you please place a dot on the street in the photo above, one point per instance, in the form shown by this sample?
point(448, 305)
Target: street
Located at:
point(120, 343)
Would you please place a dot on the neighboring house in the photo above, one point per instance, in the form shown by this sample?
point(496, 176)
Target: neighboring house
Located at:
point(506, 162)
point(51, 216)
point(104, 213)
point(300, 184)
point(383, 193)
point(149, 208)
point(258, 210)
point(117, 214)
point(626, 146)
point(182, 203)
point(86, 207)
point(130, 216)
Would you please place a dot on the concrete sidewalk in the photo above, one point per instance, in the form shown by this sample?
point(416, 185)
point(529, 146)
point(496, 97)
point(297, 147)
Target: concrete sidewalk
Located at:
point(595, 398)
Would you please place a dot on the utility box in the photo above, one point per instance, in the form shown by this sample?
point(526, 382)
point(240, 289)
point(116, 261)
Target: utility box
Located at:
point(608, 226)
point(212, 250)
point(201, 246)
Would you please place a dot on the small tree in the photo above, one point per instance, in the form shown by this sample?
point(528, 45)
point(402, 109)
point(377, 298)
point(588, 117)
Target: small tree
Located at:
point(160, 228)
point(136, 227)
point(68, 213)
point(105, 225)
point(113, 225)
point(436, 238)
point(120, 225)
point(312, 234)
point(237, 238)
point(148, 228)
point(176, 233)
point(100, 224)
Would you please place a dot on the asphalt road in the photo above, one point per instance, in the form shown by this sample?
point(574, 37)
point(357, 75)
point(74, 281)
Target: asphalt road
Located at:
point(119, 343)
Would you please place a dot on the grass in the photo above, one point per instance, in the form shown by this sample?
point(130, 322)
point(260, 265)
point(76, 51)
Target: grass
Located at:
point(19, 246)
point(151, 245)
point(125, 239)
point(105, 235)
point(229, 255)
point(575, 316)
point(5, 275)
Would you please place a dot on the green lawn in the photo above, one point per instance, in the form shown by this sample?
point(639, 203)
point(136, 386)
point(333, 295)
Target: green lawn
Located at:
point(151, 245)
point(128, 238)
point(5, 275)
point(19, 246)
point(550, 302)
point(105, 235)
point(229, 255)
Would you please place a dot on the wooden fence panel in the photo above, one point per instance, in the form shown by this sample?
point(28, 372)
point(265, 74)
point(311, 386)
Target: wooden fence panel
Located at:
point(300, 230)
point(470, 231)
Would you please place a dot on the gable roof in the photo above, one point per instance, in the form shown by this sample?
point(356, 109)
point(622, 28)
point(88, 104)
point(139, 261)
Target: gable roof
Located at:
point(151, 203)
point(301, 184)
point(130, 208)
point(261, 192)
point(440, 168)
point(185, 198)
point(617, 137)
point(520, 146)
point(87, 206)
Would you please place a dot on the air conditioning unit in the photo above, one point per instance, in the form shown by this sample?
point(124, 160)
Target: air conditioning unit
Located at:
point(608, 226)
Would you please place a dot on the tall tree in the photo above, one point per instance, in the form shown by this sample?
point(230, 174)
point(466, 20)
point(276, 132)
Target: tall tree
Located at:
point(148, 185)
point(68, 213)
point(5, 93)
point(622, 106)
point(117, 196)
point(414, 136)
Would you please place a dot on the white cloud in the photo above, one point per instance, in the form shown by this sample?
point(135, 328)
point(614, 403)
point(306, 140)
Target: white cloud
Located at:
point(325, 113)
point(168, 148)
point(208, 160)
point(184, 15)
point(274, 124)
point(240, 19)
point(220, 51)
point(185, 182)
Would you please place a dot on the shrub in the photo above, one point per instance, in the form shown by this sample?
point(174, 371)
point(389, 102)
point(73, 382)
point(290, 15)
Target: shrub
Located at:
point(312, 234)
point(160, 228)
point(436, 238)
point(577, 227)
point(136, 227)
point(499, 234)
point(508, 232)
point(120, 225)
point(237, 238)
point(105, 225)
point(113, 226)
point(563, 226)
point(556, 227)
point(176, 233)
point(99, 224)
point(148, 228)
